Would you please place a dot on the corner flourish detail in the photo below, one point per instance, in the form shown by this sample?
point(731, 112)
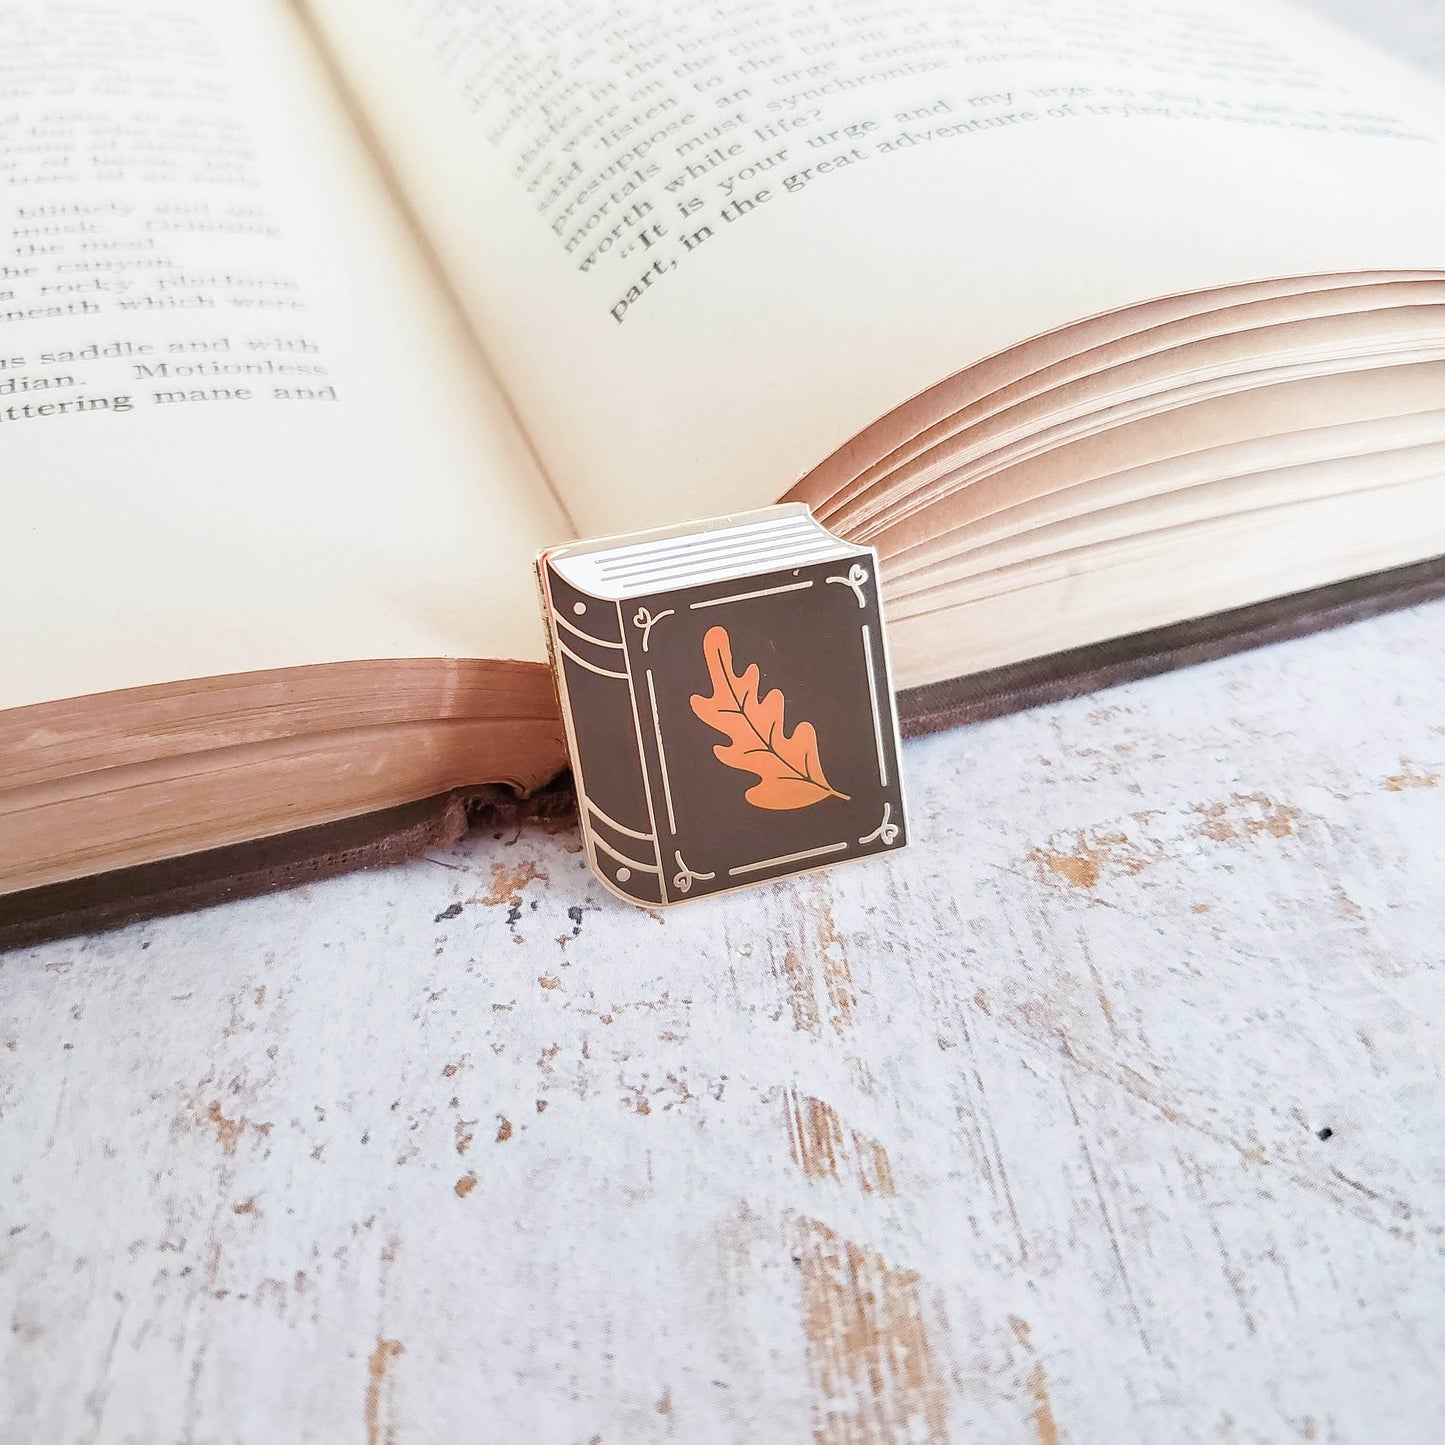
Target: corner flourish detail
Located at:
point(647, 621)
point(857, 579)
point(886, 831)
point(683, 879)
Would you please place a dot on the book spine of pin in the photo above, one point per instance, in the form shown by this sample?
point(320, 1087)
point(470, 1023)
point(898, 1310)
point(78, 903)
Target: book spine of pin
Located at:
point(601, 711)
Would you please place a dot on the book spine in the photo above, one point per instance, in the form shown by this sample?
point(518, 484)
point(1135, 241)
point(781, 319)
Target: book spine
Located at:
point(601, 711)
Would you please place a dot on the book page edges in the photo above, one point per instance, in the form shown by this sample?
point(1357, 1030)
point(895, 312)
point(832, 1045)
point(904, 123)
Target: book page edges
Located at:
point(132, 778)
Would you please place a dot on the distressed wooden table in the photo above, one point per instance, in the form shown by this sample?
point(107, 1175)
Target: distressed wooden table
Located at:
point(1111, 1111)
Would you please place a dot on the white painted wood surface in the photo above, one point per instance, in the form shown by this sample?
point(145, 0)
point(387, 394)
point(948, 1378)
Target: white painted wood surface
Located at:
point(1110, 1111)
point(1013, 1137)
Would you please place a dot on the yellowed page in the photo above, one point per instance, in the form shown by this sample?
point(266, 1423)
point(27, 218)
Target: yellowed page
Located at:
point(240, 427)
point(705, 244)
point(1071, 600)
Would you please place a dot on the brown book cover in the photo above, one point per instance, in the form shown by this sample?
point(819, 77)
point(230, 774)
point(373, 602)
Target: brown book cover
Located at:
point(727, 700)
point(111, 900)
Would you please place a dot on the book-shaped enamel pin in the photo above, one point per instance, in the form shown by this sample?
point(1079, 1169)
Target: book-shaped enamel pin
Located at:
point(727, 700)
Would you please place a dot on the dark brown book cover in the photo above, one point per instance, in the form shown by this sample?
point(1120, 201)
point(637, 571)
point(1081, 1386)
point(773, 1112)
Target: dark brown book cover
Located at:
point(110, 900)
point(731, 731)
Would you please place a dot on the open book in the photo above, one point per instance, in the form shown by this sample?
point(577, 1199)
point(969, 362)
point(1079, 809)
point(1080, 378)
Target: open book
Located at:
point(1099, 319)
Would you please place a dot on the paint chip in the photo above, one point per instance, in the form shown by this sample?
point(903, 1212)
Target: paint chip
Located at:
point(379, 1432)
point(872, 1370)
point(1046, 1429)
point(1411, 776)
point(508, 881)
point(1086, 858)
point(1245, 817)
point(824, 1148)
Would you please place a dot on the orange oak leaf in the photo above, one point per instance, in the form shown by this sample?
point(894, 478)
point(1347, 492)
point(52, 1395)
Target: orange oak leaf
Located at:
point(789, 772)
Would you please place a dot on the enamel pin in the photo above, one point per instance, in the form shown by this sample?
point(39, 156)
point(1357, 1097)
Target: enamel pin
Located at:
point(727, 700)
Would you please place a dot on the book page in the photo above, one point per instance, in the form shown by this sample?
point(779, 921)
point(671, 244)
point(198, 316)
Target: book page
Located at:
point(240, 426)
point(706, 244)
